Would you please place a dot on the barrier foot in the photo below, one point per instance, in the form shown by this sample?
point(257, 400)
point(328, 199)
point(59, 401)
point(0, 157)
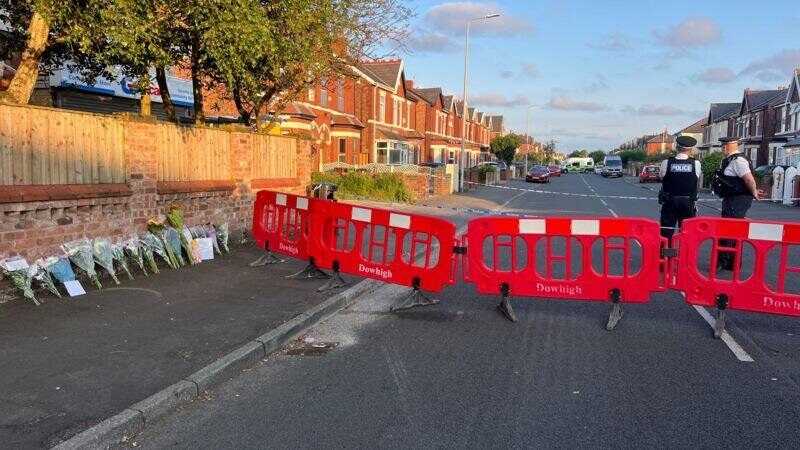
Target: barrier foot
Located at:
point(266, 260)
point(414, 299)
point(615, 314)
point(505, 304)
point(719, 324)
point(334, 282)
point(310, 272)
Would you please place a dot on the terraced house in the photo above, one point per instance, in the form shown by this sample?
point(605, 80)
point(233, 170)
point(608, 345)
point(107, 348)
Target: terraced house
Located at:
point(787, 126)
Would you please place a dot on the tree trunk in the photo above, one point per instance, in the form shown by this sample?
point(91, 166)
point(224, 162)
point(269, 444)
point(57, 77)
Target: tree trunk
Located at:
point(197, 85)
point(21, 87)
point(145, 105)
point(166, 98)
point(244, 114)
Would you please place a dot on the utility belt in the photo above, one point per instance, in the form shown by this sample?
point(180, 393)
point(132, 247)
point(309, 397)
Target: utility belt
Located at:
point(684, 203)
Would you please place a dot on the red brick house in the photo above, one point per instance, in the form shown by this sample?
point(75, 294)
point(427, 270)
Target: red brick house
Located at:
point(661, 143)
point(755, 124)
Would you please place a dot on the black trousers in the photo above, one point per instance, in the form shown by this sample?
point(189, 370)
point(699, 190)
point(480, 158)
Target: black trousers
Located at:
point(673, 212)
point(735, 207)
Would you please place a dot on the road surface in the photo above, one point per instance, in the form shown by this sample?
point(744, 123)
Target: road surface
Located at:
point(458, 375)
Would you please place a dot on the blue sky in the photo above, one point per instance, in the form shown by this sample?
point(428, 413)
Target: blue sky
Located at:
point(600, 72)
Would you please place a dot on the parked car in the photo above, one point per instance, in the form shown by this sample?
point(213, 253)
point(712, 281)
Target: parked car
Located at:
point(598, 169)
point(555, 171)
point(650, 174)
point(539, 174)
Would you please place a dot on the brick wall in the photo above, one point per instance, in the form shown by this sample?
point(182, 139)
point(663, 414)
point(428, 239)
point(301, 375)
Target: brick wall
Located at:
point(420, 184)
point(36, 220)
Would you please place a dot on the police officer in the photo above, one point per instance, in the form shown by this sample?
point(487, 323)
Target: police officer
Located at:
point(737, 187)
point(681, 177)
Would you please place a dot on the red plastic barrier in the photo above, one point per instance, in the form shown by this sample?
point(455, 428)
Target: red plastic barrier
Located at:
point(565, 258)
point(281, 223)
point(399, 248)
point(766, 264)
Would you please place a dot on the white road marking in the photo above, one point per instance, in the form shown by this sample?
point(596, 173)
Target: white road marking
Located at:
point(734, 346)
point(511, 200)
point(613, 213)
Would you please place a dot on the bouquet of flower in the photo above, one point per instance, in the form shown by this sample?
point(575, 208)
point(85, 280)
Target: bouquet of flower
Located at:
point(81, 254)
point(133, 250)
point(151, 244)
point(172, 242)
point(60, 269)
point(21, 275)
point(175, 218)
point(222, 236)
point(212, 233)
point(119, 256)
point(104, 256)
point(158, 226)
point(43, 276)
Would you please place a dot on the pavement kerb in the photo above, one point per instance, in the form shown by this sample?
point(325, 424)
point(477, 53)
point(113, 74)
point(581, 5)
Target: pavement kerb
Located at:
point(134, 419)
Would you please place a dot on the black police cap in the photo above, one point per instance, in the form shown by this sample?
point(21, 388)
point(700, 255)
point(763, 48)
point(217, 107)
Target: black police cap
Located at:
point(686, 141)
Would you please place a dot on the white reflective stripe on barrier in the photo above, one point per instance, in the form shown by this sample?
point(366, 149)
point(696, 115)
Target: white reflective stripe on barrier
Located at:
point(399, 221)
point(280, 199)
point(585, 227)
point(362, 215)
point(532, 226)
point(766, 232)
point(302, 203)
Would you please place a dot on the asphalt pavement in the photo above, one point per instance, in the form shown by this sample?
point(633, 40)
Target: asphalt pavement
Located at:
point(458, 375)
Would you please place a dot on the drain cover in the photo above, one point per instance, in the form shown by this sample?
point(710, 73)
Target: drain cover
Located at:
point(311, 348)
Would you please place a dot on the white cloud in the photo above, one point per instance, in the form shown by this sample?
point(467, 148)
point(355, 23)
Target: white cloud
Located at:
point(451, 18)
point(425, 42)
point(655, 110)
point(497, 100)
point(774, 66)
point(690, 33)
point(565, 103)
point(613, 42)
point(715, 75)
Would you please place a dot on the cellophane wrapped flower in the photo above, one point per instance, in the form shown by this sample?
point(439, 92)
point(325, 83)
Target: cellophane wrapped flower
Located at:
point(20, 278)
point(119, 257)
point(175, 218)
point(81, 254)
point(60, 269)
point(172, 242)
point(152, 244)
point(133, 248)
point(212, 233)
point(104, 256)
point(223, 235)
point(43, 274)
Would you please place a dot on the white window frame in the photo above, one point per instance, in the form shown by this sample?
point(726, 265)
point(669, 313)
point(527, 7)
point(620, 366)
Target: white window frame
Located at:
point(342, 156)
point(382, 108)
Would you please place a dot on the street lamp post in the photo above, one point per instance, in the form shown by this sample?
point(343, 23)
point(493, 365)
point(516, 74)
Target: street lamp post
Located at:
point(527, 136)
point(465, 107)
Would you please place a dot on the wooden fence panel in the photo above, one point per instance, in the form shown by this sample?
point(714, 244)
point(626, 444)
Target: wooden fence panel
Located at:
point(48, 146)
point(193, 154)
point(273, 157)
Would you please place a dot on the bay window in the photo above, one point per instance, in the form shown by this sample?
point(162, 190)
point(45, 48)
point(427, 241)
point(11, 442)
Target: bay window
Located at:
point(392, 152)
point(382, 108)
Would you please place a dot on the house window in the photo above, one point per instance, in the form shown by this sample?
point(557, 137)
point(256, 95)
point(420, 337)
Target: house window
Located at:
point(451, 158)
point(381, 152)
point(382, 108)
point(323, 93)
point(398, 153)
point(340, 95)
point(396, 114)
point(342, 151)
point(312, 94)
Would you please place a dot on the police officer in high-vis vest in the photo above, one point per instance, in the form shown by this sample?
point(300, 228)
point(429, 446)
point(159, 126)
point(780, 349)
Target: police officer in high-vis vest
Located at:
point(681, 176)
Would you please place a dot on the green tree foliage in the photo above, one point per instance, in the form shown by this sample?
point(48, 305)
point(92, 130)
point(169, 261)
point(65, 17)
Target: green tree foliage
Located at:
point(579, 154)
point(710, 164)
point(505, 147)
point(597, 156)
point(632, 156)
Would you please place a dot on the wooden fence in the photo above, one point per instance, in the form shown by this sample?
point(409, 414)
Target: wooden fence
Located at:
point(46, 146)
point(41, 146)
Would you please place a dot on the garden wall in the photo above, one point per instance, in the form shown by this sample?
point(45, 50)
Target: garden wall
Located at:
point(66, 175)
